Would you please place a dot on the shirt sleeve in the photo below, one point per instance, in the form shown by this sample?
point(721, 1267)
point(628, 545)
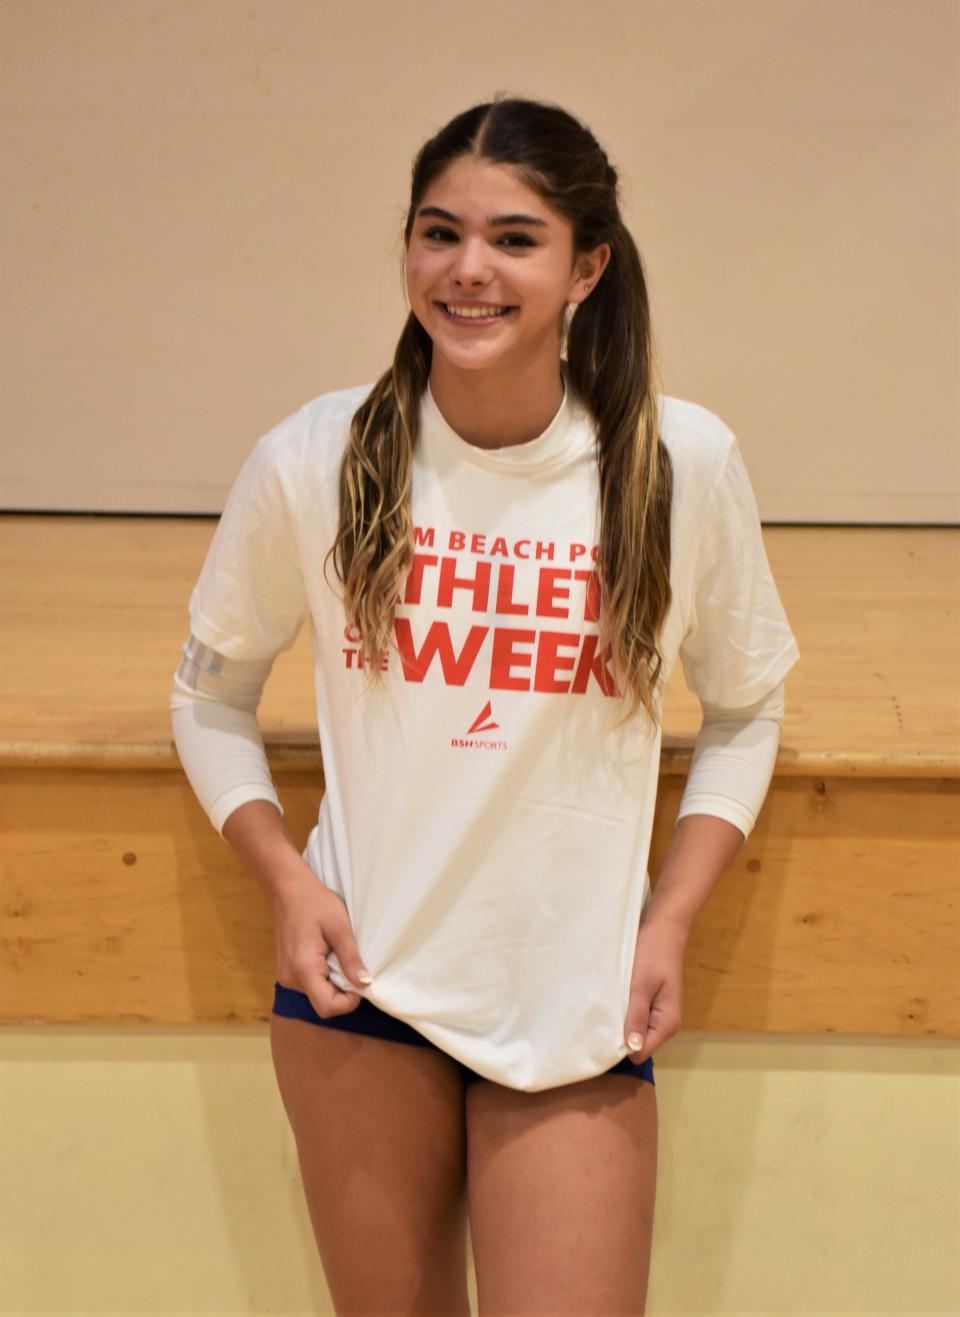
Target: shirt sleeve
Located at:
point(738, 643)
point(250, 599)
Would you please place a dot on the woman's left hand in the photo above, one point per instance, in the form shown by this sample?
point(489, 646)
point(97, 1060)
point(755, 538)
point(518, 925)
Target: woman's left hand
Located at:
point(656, 988)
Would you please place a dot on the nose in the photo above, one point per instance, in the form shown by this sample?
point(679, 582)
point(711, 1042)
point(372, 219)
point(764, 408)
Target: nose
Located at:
point(470, 263)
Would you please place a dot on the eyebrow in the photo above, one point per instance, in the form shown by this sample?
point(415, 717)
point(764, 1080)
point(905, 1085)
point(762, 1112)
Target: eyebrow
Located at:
point(492, 219)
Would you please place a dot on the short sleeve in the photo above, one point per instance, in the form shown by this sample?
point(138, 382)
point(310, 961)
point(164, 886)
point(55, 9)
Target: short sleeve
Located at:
point(738, 644)
point(250, 599)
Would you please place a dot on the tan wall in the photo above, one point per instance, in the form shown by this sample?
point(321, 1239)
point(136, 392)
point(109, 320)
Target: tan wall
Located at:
point(155, 1172)
point(203, 204)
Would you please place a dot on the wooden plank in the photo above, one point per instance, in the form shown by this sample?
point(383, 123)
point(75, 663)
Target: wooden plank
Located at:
point(839, 915)
point(94, 614)
point(120, 902)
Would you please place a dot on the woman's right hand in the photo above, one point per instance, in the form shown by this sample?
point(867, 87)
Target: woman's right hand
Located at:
point(309, 921)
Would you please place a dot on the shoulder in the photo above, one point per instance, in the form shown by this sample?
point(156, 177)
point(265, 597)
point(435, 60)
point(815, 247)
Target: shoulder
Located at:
point(315, 434)
point(329, 414)
point(324, 424)
point(703, 452)
point(698, 441)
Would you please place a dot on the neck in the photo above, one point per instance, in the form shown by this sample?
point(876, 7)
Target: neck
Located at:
point(491, 409)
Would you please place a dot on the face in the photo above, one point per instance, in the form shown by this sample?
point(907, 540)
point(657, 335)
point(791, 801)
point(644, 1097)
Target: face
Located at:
point(470, 256)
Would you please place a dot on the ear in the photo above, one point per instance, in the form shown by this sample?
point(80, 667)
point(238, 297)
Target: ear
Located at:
point(591, 267)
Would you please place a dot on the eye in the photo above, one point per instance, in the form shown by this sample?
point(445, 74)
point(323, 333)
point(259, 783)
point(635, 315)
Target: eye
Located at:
point(521, 238)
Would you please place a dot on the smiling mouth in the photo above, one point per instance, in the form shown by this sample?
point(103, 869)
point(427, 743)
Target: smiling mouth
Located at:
point(475, 320)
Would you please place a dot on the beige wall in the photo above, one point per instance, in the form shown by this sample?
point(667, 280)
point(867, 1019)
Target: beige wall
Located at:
point(153, 1171)
point(203, 201)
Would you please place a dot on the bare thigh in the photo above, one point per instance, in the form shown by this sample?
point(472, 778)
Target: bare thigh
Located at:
point(561, 1188)
point(379, 1129)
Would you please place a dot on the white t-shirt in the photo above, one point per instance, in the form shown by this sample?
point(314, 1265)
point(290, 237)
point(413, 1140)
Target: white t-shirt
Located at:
point(485, 825)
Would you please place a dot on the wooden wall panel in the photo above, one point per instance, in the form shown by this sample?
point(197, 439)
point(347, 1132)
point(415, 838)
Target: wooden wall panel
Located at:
point(840, 914)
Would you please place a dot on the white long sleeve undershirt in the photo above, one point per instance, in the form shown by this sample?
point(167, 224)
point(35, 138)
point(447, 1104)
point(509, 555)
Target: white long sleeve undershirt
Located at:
point(733, 760)
point(214, 704)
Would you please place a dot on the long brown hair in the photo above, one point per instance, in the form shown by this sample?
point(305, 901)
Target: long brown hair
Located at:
point(610, 364)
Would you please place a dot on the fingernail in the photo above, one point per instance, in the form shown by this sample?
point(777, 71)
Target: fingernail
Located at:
point(365, 977)
point(635, 1042)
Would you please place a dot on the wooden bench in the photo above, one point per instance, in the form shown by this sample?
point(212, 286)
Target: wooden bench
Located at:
point(121, 903)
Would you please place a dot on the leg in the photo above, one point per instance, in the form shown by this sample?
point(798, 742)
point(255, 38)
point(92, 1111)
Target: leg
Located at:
point(561, 1187)
point(379, 1129)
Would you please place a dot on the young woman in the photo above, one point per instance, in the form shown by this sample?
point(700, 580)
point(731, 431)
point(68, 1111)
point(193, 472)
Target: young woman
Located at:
point(502, 546)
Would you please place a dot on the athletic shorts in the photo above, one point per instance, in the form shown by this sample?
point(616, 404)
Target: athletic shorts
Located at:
point(370, 1019)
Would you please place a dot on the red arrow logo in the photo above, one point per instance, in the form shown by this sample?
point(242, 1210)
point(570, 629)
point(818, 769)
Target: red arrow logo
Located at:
point(478, 724)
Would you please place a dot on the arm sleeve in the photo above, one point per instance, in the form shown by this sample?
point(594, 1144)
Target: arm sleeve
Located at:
point(213, 707)
point(738, 644)
point(733, 761)
point(247, 606)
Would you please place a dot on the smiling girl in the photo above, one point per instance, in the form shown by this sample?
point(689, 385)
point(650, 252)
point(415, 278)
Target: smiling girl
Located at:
point(502, 546)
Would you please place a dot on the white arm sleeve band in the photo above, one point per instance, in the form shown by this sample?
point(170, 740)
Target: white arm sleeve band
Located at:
point(733, 761)
point(213, 706)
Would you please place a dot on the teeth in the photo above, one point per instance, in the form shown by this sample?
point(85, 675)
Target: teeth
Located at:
point(474, 313)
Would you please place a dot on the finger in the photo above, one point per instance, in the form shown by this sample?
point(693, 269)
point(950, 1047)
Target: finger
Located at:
point(637, 1031)
point(327, 999)
point(636, 1042)
point(342, 1002)
point(341, 939)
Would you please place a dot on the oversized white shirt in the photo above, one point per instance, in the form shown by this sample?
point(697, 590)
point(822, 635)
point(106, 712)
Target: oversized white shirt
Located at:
point(486, 826)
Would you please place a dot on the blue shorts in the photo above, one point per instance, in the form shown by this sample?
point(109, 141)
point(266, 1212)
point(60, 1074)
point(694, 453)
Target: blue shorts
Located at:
point(370, 1019)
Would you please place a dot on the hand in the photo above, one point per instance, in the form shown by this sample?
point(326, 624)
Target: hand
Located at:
point(656, 987)
point(309, 921)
